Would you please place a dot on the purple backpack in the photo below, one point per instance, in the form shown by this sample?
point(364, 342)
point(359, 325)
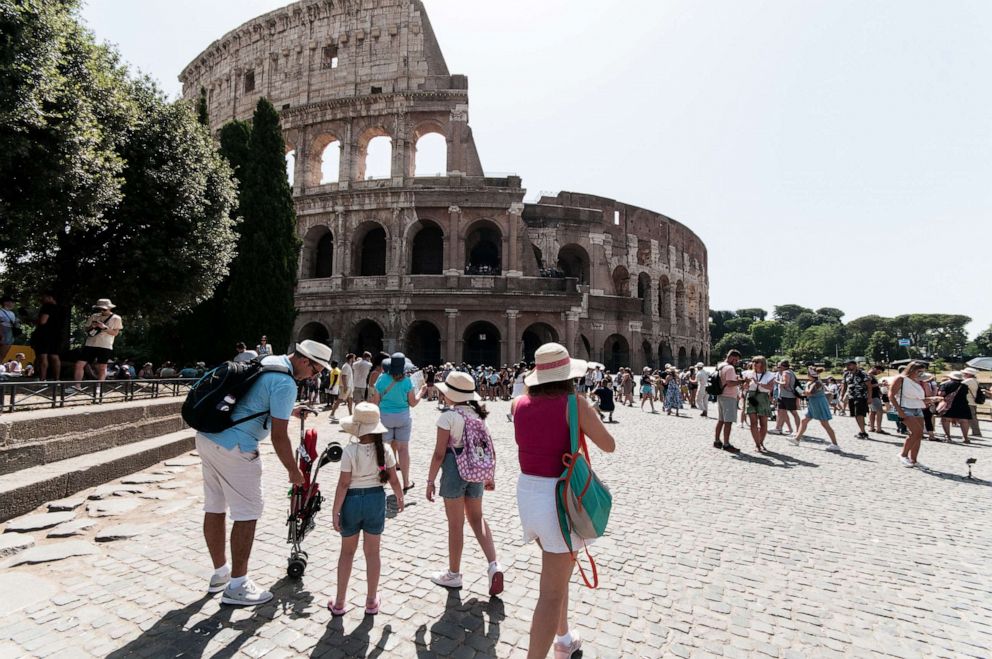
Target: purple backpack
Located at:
point(477, 461)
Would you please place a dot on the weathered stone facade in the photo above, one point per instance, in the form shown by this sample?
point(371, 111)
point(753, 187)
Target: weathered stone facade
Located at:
point(442, 267)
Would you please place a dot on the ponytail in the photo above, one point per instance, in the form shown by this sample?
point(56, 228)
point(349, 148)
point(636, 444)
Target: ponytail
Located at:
point(479, 409)
point(380, 458)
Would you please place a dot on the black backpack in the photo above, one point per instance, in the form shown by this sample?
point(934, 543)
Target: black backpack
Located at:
point(715, 385)
point(211, 401)
point(980, 396)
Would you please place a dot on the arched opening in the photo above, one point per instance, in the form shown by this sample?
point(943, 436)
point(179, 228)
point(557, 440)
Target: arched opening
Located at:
point(644, 292)
point(427, 253)
point(370, 250)
point(664, 354)
point(317, 254)
point(330, 163)
point(379, 157)
point(536, 336)
point(573, 261)
point(621, 282)
point(647, 354)
point(680, 315)
point(585, 348)
point(484, 250)
point(616, 353)
point(423, 343)
point(313, 331)
point(366, 335)
point(291, 167)
point(693, 358)
point(683, 358)
point(481, 345)
point(665, 299)
point(431, 155)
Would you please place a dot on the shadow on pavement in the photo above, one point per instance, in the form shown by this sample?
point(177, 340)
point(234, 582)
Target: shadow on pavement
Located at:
point(355, 643)
point(463, 625)
point(961, 478)
point(788, 461)
point(172, 636)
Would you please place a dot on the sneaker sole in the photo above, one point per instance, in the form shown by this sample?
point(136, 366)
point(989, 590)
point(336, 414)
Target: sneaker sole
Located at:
point(496, 587)
point(234, 602)
point(217, 589)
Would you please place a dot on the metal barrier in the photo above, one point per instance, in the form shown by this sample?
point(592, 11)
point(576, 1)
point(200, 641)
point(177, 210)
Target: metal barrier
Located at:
point(34, 394)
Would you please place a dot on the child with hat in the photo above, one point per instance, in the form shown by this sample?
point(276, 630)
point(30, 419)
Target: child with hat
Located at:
point(360, 501)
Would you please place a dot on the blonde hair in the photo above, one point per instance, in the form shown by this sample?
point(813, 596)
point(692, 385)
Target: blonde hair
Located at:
point(759, 359)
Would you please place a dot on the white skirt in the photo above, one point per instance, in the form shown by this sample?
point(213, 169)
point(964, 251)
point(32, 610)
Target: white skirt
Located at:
point(539, 514)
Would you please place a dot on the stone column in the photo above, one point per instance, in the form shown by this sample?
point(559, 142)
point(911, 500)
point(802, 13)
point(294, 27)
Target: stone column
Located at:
point(572, 329)
point(452, 336)
point(513, 267)
point(636, 352)
point(512, 341)
point(453, 266)
point(394, 264)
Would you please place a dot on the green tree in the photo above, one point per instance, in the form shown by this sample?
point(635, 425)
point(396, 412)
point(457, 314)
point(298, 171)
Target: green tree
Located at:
point(830, 312)
point(738, 325)
point(788, 313)
point(856, 344)
point(718, 321)
point(767, 336)
point(868, 325)
point(752, 313)
point(263, 276)
point(882, 346)
point(734, 341)
point(983, 342)
point(202, 114)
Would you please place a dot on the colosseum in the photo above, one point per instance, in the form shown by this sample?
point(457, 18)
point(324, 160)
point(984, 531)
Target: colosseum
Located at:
point(451, 265)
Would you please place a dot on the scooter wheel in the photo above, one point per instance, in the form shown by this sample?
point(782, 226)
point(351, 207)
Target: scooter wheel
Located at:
point(296, 568)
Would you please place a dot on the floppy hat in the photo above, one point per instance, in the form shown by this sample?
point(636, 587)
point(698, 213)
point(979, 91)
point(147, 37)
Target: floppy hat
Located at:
point(365, 421)
point(458, 387)
point(315, 351)
point(956, 375)
point(552, 364)
point(104, 303)
point(973, 372)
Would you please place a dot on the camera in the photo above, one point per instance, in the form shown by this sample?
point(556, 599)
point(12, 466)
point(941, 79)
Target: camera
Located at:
point(332, 453)
point(93, 331)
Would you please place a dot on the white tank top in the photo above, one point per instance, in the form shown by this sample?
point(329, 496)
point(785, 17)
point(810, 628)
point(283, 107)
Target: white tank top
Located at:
point(911, 394)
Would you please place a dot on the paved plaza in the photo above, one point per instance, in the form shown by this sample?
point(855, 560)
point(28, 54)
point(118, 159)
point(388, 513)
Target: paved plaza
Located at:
point(795, 553)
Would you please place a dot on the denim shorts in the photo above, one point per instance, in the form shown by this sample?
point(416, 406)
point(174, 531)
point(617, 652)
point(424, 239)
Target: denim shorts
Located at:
point(912, 411)
point(364, 509)
point(453, 486)
point(398, 426)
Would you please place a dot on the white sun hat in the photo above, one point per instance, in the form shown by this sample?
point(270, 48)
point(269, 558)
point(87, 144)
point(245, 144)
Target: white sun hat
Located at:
point(458, 387)
point(365, 421)
point(552, 364)
point(315, 351)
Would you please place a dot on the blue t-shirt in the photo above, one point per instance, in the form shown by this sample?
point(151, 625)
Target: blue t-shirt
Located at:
point(274, 393)
point(396, 401)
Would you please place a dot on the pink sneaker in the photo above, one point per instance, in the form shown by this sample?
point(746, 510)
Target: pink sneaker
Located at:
point(566, 651)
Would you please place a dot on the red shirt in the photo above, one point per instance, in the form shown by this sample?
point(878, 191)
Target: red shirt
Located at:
point(542, 435)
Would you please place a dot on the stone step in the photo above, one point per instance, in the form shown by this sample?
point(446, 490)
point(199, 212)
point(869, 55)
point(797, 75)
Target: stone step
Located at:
point(38, 437)
point(27, 489)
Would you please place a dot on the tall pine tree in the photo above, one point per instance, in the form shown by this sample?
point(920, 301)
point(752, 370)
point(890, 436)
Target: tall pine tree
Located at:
point(263, 275)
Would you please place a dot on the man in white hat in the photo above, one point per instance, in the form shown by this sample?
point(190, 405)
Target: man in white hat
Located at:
point(971, 381)
point(101, 329)
point(232, 469)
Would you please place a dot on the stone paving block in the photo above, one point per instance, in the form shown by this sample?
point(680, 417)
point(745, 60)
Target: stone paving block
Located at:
point(37, 522)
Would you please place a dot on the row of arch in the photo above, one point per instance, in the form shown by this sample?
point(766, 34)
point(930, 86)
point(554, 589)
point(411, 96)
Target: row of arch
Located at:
point(666, 293)
point(482, 344)
point(373, 157)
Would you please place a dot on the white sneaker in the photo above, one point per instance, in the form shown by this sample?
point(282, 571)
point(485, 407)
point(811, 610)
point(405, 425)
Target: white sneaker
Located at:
point(448, 579)
point(774, 431)
point(495, 579)
point(794, 440)
point(833, 448)
point(219, 582)
point(566, 651)
point(247, 595)
point(906, 462)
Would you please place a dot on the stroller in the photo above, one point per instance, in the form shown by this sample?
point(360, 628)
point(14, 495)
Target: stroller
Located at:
point(305, 500)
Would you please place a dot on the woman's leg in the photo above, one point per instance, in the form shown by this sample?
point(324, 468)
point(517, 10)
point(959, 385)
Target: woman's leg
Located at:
point(830, 432)
point(802, 427)
point(403, 459)
point(373, 565)
point(964, 430)
point(473, 512)
point(346, 559)
point(753, 423)
point(454, 509)
point(762, 430)
point(911, 447)
point(551, 610)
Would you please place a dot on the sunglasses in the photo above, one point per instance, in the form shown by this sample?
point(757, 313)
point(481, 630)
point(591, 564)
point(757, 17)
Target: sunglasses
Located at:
point(315, 368)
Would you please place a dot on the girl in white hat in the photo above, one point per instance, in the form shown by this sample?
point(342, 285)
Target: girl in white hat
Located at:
point(540, 424)
point(360, 502)
point(462, 499)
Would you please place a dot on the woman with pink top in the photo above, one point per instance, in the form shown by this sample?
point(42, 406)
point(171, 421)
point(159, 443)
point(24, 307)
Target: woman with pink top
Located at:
point(540, 423)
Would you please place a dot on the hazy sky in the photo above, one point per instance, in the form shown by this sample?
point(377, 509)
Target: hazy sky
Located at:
point(829, 152)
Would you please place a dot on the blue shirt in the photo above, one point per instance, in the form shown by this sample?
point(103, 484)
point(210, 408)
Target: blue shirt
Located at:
point(396, 402)
point(274, 393)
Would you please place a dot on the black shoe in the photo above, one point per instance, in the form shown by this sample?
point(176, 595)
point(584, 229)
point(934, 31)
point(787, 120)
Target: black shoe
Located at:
point(731, 449)
point(717, 443)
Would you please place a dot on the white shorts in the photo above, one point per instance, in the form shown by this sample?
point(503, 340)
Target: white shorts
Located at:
point(232, 478)
point(539, 514)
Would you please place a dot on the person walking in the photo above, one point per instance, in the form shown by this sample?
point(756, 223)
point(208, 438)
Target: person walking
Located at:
point(702, 398)
point(360, 503)
point(462, 498)
point(854, 388)
point(971, 381)
point(959, 413)
point(232, 468)
point(758, 385)
point(673, 392)
point(817, 408)
point(647, 389)
point(875, 404)
point(394, 394)
point(541, 432)
point(360, 374)
point(788, 400)
point(727, 400)
point(101, 329)
point(906, 396)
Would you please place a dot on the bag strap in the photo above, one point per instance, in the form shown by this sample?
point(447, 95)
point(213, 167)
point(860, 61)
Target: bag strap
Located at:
point(388, 389)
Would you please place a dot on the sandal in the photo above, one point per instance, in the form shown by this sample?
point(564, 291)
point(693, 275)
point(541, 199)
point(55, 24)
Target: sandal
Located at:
point(336, 611)
point(374, 609)
point(409, 487)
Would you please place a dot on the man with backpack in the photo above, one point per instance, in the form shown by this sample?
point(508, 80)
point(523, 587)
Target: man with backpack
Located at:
point(724, 385)
point(234, 408)
point(976, 397)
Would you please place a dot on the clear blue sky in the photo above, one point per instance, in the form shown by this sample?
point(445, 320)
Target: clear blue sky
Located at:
point(829, 152)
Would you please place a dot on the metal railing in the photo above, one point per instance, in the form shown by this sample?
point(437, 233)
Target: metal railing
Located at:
point(34, 394)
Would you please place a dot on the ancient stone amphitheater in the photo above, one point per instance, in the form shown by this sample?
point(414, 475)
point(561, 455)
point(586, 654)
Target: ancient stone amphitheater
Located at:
point(452, 265)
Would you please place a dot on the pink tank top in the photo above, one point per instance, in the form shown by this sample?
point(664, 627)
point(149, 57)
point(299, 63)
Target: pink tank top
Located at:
point(542, 435)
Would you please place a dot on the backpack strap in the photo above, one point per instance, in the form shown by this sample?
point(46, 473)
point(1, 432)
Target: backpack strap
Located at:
point(271, 368)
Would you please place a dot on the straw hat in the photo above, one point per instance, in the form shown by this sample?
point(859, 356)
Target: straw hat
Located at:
point(973, 372)
point(956, 375)
point(458, 387)
point(552, 364)
point(365, 421)
point(104, 303)
point(315, 351)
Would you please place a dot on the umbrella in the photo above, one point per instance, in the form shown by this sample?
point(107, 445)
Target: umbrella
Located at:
point(904, 362)
point(981, 363)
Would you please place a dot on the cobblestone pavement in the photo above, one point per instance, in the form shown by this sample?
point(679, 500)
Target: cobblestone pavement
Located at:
point(796, 553)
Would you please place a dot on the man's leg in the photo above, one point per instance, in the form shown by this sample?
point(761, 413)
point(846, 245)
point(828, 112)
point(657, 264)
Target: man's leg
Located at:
point(976, 429)
point(101, 372)
point(78, 371)
point(214, 525)
point(242, 539)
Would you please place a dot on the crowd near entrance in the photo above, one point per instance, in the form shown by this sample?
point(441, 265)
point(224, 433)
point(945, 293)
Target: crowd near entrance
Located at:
point(481, 344)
